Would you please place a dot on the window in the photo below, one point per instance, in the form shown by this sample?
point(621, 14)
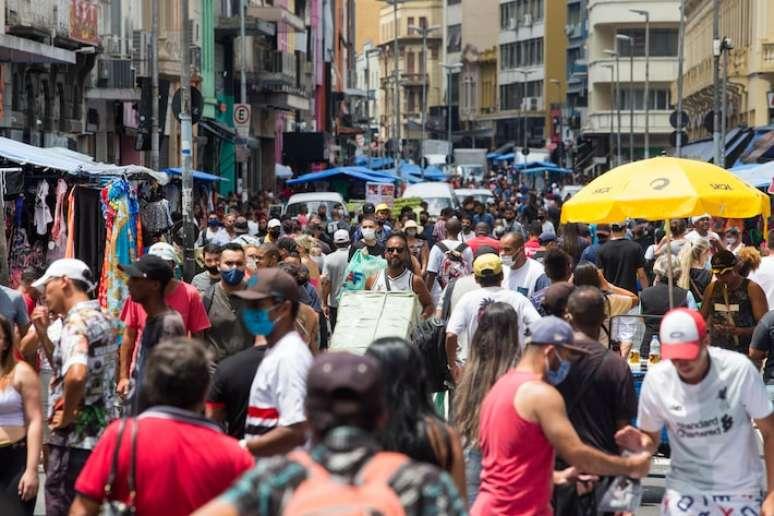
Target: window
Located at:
point(527, 52)
point(411, 21)
point(422, 22)
point(660, 99)
point(410, 62)
point(512, 14)
point(452, 2)
point(663, 42)
point(511, 94)
point(454, 38)
point(507, 13)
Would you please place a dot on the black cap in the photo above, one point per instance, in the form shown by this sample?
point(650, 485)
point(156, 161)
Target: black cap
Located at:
point(149, 267)
point(270, 282)
point(723, 260)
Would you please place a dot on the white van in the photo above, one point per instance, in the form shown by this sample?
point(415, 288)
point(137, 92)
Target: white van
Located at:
point(312, 201)
point(438, 196)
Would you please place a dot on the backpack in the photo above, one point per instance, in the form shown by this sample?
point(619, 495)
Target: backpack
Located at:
point(453, 264)
point(321, 493)
point(429, 337)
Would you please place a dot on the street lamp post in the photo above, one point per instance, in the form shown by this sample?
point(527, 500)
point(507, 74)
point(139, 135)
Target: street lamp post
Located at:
point(716, 51)
point(680, 56)
point(612, 110)
point(424, 32)
point(396, 73)
point(613, 53)
point(725, 47)
point(450, 69)
point(558, 85)
point(630, 41)
point(646, 14)
point(525, 74)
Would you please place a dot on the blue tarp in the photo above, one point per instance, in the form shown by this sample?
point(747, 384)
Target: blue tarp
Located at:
point(757, 175)
point(537, 167)
point(359, 173)
point(506, 157)
point(374, 163)
point(493, 155)
point(432, 173)
point(197, 174)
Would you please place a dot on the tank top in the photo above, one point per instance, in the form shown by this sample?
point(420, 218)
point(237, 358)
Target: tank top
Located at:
point(517, 459)
point(11, 407)
point(735, 307)
point(402, 283)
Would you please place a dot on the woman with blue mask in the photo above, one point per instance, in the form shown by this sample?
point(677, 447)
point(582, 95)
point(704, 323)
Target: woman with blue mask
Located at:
point(275, 422)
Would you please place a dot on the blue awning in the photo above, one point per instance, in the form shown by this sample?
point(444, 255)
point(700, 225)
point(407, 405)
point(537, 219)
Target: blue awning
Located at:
point(542, 166)
point(197, 174)
point(755, 175)
point(493, 155)
point(506, 157)
point(359, 173)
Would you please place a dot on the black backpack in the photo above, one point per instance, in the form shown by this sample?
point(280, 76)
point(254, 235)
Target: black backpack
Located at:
point(430, 338)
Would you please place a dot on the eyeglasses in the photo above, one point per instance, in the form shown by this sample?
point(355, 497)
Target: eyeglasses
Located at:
point(397, 250)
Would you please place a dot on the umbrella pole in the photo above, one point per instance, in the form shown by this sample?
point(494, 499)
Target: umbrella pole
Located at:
point(670, 281)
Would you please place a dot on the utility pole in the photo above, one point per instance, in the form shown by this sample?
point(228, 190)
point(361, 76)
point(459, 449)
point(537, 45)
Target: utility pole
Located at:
point(396, 73)
point(646, 14)
point(424, 32)
point(716, 50)
point(242, 84)
point(449, 69)
point(154, 72)
point(186, 143)
point(630, 41)
point(680, 58)
point(613, 53)
point(725, 48)
point(612, 112)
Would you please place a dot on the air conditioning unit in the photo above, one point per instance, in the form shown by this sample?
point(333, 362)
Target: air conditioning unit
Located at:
point(528, 19)
point(103, 70)
point(568, 29)
point(513, 24)
point(140, 42)
point(531, 104)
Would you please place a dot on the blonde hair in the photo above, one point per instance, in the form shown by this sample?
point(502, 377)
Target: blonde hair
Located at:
point(661, 267)
point(690, 253)
point(749, 260)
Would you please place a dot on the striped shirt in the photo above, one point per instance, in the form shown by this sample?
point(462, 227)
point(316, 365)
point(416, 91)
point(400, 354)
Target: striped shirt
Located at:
point(279, 387)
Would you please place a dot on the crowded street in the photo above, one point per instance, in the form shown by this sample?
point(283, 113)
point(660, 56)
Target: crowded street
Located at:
point(387, 257)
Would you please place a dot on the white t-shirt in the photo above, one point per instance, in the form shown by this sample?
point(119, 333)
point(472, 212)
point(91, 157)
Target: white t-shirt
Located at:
point(764, 277)
point(436, 259)
point(523, 279)
point(713, 444)
point(693, 236)
point(465, 315)
point(279, 387)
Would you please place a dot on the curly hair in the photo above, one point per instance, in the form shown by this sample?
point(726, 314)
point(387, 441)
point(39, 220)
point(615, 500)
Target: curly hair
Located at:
point(749, 260)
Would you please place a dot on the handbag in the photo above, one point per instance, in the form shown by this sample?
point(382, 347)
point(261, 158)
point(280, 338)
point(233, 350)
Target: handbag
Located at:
point(116, 507)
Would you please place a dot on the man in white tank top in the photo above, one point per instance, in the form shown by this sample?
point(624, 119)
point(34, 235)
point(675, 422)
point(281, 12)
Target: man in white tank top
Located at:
point(397, 277)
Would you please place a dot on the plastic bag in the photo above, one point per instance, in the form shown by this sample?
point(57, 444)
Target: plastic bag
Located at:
point(623, 495)
point(359, 269)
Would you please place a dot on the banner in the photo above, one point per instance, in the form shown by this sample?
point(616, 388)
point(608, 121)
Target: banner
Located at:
point(377, 193)
point(84, 16)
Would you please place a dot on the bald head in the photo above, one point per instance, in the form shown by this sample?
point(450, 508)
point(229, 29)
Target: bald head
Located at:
point(587, 307)
point(453, 228)
point(513, 239)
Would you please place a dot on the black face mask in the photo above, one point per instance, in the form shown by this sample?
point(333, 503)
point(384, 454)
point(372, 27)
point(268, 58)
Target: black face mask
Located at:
point(214, 270)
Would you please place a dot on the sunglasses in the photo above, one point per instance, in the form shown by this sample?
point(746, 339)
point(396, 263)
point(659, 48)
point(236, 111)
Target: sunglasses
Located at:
point(397, 250)
point(720, 272)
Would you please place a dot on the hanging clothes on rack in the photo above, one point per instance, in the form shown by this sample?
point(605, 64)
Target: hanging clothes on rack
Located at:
point(70, 245)
point(42, 212)
point(156, 217)
point(21, 254)
point(120, 211)
point(58, 241)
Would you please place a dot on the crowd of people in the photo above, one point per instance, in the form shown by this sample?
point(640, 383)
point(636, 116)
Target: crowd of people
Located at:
point(221, 396)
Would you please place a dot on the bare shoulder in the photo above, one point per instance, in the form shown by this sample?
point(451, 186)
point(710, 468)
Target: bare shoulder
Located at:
point(24, 374)
point(535, 398)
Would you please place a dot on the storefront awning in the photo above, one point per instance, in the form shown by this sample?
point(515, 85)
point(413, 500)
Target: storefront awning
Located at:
point(121, 94)
point(71, 162)
point(21, 50)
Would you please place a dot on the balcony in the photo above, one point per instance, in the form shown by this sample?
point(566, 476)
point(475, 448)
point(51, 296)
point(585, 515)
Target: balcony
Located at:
point(414, 79)
point(34, 20)
point(599, 122)
point(662, 69)
point(767, 57)
point(258, 19)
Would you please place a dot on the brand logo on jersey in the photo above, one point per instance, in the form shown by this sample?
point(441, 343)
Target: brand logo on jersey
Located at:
point(727, 422)
point(722, 393)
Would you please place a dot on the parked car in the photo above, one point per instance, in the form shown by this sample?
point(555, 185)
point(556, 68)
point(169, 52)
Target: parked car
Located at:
point(481, 195)
point(437, 195)
point(312, 201)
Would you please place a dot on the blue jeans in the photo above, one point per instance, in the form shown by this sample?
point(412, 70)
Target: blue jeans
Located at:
point(472, 472)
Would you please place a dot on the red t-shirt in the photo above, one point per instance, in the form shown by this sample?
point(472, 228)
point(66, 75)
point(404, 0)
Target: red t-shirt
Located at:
point(29, 303)
point(517, 460)
point(483, 240)
point(183, 462)
point(185, 300)
point(531, 247)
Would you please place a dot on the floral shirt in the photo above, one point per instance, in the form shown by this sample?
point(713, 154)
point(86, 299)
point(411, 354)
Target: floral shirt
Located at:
point(90, 338)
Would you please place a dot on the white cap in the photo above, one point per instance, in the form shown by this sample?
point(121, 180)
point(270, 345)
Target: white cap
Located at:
point(246, 240)
point(66, 268)
point(164, 251)
point(340, 236)
point(694, 220)
point(274, 223)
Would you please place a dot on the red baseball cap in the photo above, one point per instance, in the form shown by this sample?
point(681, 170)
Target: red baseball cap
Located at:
point(682, 333)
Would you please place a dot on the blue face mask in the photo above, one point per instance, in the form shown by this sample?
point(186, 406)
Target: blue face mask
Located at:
point(560, 375)
point(232, 277)
point(257, 321)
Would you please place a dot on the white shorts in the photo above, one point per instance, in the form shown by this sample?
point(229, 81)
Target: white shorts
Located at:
point(681, 504)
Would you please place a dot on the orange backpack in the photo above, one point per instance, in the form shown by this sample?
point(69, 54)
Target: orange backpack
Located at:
point(321, 493)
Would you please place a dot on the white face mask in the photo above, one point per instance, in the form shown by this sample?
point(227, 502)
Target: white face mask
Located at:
point(507, 260)
point(369, 233)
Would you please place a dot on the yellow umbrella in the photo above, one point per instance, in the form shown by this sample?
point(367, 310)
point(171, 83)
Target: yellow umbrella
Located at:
point(662, 189)
point(665, 188)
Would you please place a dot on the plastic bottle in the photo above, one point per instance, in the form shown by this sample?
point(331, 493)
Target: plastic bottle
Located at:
point(654, 357)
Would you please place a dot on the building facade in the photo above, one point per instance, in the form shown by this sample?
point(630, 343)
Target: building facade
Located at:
point(418, 69)
point(470, 85)
point(749, 24)
point(611, 22)
point(532, 72)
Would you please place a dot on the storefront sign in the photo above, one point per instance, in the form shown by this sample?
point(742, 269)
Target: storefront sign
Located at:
point(377, 193)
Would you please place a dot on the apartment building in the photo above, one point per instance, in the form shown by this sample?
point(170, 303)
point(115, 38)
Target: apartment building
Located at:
point(749, 24)
point(615, 30)
point(532, 71)
point(470, 79)
point(418, 68)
